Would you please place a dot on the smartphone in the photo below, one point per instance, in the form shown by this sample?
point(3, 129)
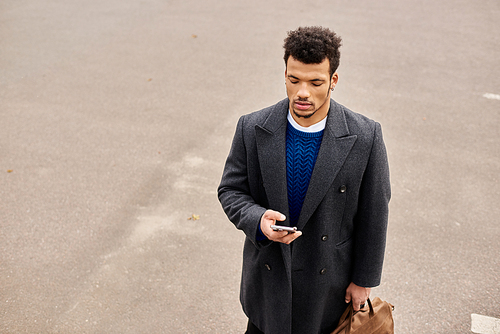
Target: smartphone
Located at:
point(284, 228)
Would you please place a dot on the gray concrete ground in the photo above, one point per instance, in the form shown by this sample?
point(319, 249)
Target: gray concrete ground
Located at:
point(116, 118)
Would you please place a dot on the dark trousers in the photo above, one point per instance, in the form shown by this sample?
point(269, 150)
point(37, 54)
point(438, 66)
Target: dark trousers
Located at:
point(252, 329)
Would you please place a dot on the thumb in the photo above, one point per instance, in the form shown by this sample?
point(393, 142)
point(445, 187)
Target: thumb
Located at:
point(347, 298)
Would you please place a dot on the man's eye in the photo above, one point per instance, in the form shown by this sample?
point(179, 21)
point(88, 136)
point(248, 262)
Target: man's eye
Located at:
point(317, 84)
point(294, 82)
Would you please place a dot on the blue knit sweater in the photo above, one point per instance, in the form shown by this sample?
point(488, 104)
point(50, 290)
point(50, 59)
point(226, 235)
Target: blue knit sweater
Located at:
point(301, 152)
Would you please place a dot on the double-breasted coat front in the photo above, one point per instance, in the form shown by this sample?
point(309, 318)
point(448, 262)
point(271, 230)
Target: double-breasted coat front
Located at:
point(300, 288)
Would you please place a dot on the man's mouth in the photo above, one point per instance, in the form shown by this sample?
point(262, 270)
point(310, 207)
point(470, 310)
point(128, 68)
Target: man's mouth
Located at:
point(301, 105)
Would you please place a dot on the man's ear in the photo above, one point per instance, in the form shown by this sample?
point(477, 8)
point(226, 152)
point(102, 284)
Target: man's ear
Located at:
point(334, 80)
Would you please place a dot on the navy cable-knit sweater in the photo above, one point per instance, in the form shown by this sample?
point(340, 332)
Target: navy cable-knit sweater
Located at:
point(301, 152)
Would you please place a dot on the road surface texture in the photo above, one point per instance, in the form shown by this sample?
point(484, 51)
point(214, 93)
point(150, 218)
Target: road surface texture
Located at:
point(116, 118)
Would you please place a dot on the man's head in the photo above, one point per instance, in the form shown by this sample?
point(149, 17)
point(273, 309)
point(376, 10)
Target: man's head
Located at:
point(311, 58)
point(311, 45)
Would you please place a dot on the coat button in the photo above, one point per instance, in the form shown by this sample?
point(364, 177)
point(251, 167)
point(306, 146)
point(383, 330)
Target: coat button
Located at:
point(342, 189)
point(322, 271)
point(268, 267)
point(324, 238)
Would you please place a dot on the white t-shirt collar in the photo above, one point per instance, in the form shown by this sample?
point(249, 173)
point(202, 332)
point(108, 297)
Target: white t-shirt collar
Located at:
point(317, 127)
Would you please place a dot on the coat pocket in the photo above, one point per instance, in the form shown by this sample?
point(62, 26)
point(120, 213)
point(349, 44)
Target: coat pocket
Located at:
point(344, 243)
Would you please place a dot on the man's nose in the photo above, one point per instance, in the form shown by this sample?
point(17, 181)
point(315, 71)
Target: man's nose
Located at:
point(303, 91)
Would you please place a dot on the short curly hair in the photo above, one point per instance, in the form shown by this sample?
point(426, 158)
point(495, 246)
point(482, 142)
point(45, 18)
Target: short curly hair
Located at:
point(311, 45)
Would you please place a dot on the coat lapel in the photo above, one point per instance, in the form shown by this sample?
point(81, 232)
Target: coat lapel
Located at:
point(335, 147)
point(271, 150)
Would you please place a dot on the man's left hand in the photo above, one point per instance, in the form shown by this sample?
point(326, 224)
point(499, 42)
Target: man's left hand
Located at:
point(358, 295)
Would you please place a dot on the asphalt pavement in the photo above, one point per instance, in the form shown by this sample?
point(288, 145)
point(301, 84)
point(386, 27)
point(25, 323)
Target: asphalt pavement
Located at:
point(116, 118)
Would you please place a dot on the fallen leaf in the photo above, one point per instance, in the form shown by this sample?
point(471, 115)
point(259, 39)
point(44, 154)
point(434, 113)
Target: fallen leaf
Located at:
point(9, 170)
point(150, 79)
point(194, 36)
point(194, 217)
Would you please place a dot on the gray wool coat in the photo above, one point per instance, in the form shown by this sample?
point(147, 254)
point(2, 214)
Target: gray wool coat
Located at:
point(300, 288)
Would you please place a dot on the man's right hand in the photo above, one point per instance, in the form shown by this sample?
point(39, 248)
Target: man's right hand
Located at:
point(269, 218)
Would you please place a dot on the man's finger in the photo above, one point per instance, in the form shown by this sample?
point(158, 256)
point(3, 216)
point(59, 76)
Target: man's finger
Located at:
point(287, 239)
point(278, 235)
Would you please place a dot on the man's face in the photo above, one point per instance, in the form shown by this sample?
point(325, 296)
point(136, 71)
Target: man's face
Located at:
point(308, 88)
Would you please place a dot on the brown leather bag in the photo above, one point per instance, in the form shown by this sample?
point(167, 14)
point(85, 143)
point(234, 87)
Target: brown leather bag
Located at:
point(374, 319)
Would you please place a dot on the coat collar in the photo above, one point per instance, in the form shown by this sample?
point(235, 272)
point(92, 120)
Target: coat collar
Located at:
point(336, 122)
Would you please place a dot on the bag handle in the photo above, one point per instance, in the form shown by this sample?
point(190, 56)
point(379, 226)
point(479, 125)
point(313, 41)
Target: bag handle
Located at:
point(349, 312)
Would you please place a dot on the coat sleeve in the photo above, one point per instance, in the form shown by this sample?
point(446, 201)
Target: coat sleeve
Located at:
point(234, 189)
point(371, 219)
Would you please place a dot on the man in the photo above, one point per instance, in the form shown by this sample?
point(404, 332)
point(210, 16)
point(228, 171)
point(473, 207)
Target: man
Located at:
point(310, 163)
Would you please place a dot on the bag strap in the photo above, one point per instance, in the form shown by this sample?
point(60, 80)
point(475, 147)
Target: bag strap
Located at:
point(372, 312)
